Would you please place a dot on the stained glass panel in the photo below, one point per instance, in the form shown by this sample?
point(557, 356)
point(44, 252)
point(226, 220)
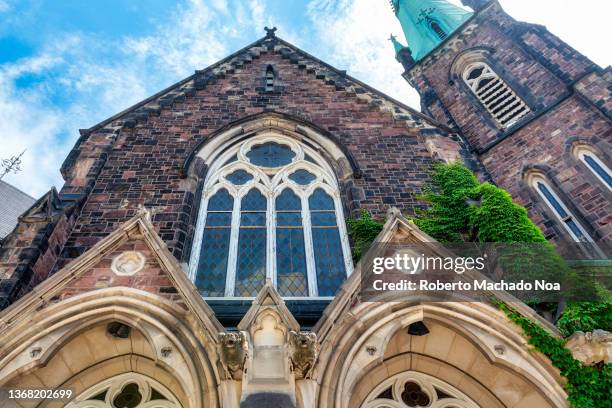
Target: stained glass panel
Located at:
point(598, 169)
point(212, 266)
point(270, 154)
point(251, 262)
point(221, 201)
point(552, 200)
point(239, 177)
point(329, 260)
point(292, 278)
point(320, 200)
point(303, 177)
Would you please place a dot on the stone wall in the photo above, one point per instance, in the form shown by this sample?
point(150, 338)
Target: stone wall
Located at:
point(570, 100)
point(138, 161)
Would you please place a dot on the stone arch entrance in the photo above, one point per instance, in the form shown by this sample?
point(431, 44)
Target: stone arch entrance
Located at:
point(468, 346)
point(91, 339)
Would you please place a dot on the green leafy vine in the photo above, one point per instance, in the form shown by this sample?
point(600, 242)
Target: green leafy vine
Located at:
point(587, 387)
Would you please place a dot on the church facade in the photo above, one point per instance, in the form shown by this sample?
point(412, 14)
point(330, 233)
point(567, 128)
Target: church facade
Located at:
point(197, 254)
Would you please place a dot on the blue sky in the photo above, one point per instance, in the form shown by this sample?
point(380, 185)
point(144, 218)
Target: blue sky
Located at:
point(68, 64)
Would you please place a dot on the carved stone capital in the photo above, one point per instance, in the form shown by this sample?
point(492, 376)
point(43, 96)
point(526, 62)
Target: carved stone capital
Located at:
point(303, 353)
point(233, 352)
point(592, 347)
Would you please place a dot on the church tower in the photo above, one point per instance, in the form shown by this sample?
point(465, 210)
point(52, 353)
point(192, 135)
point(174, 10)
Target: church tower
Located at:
point(533, 111)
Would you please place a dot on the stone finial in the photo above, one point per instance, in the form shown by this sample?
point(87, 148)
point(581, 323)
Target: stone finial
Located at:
point(270, 32)
point(233, 352)
point(303, 353)
point(592, 347)
point(393, 212)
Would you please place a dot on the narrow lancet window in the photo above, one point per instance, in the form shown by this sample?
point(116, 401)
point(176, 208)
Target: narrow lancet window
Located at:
point(595, 165)
point(251, 262)
point(326, 242)
point(212, 267)
point(269, 79)
point(570, 223)
point(292, 278)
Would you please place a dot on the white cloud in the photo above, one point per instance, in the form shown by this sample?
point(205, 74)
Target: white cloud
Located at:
point(4, 6)
point(353, 36)
point(101, 78)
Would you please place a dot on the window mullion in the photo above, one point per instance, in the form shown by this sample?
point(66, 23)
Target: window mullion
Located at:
point(309, 248)
point(346, 252)
point(271, 272)
point(230, 281)
point(199, 234)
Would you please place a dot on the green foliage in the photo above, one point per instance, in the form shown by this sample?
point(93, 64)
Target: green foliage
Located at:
point(587, 387)
point(586, 317)
point(448, 216)
point(499, 219)
point(462, 209)
point(363, 231)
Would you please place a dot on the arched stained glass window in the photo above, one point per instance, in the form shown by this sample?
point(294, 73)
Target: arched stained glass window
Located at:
point(292, 278)
point(327, 245)
point(277, 215)
point(251, 262)
point(212, 267)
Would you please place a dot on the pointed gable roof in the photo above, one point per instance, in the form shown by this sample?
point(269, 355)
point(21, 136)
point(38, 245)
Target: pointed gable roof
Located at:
point(13, 202)
point(268, 298)
point(399, 229)
point(270, 43)
point(138, 228)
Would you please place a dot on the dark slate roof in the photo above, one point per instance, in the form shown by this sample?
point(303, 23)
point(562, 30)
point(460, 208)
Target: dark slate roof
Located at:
point(13, 202)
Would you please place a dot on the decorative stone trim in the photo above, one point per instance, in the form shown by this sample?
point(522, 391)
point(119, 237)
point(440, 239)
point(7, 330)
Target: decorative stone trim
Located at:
point(591, 348)
point(304, 350)
point(128, 263)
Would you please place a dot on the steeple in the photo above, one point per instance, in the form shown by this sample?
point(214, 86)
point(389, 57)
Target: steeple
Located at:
point(426, 23)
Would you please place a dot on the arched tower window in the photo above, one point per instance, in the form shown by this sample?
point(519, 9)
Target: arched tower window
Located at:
point(270, 209)
point(269, 78)
point(436, 28)
point(573, 227)
point(496, 96)
point(594, 164)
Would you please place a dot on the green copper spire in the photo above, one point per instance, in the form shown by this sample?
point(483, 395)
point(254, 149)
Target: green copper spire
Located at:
point(426, 23)
point(396, 44)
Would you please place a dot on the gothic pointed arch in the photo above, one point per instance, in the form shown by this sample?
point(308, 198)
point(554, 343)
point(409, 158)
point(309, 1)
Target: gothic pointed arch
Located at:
point(271, 208)
point(327, 143)
point(468, 350)
point(85, 341)
point(101, 316)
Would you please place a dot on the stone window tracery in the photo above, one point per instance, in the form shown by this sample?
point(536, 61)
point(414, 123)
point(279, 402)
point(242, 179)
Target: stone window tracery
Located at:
point(129, 390)
point(272, 212)
point(496, 96)
point(412, 389)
